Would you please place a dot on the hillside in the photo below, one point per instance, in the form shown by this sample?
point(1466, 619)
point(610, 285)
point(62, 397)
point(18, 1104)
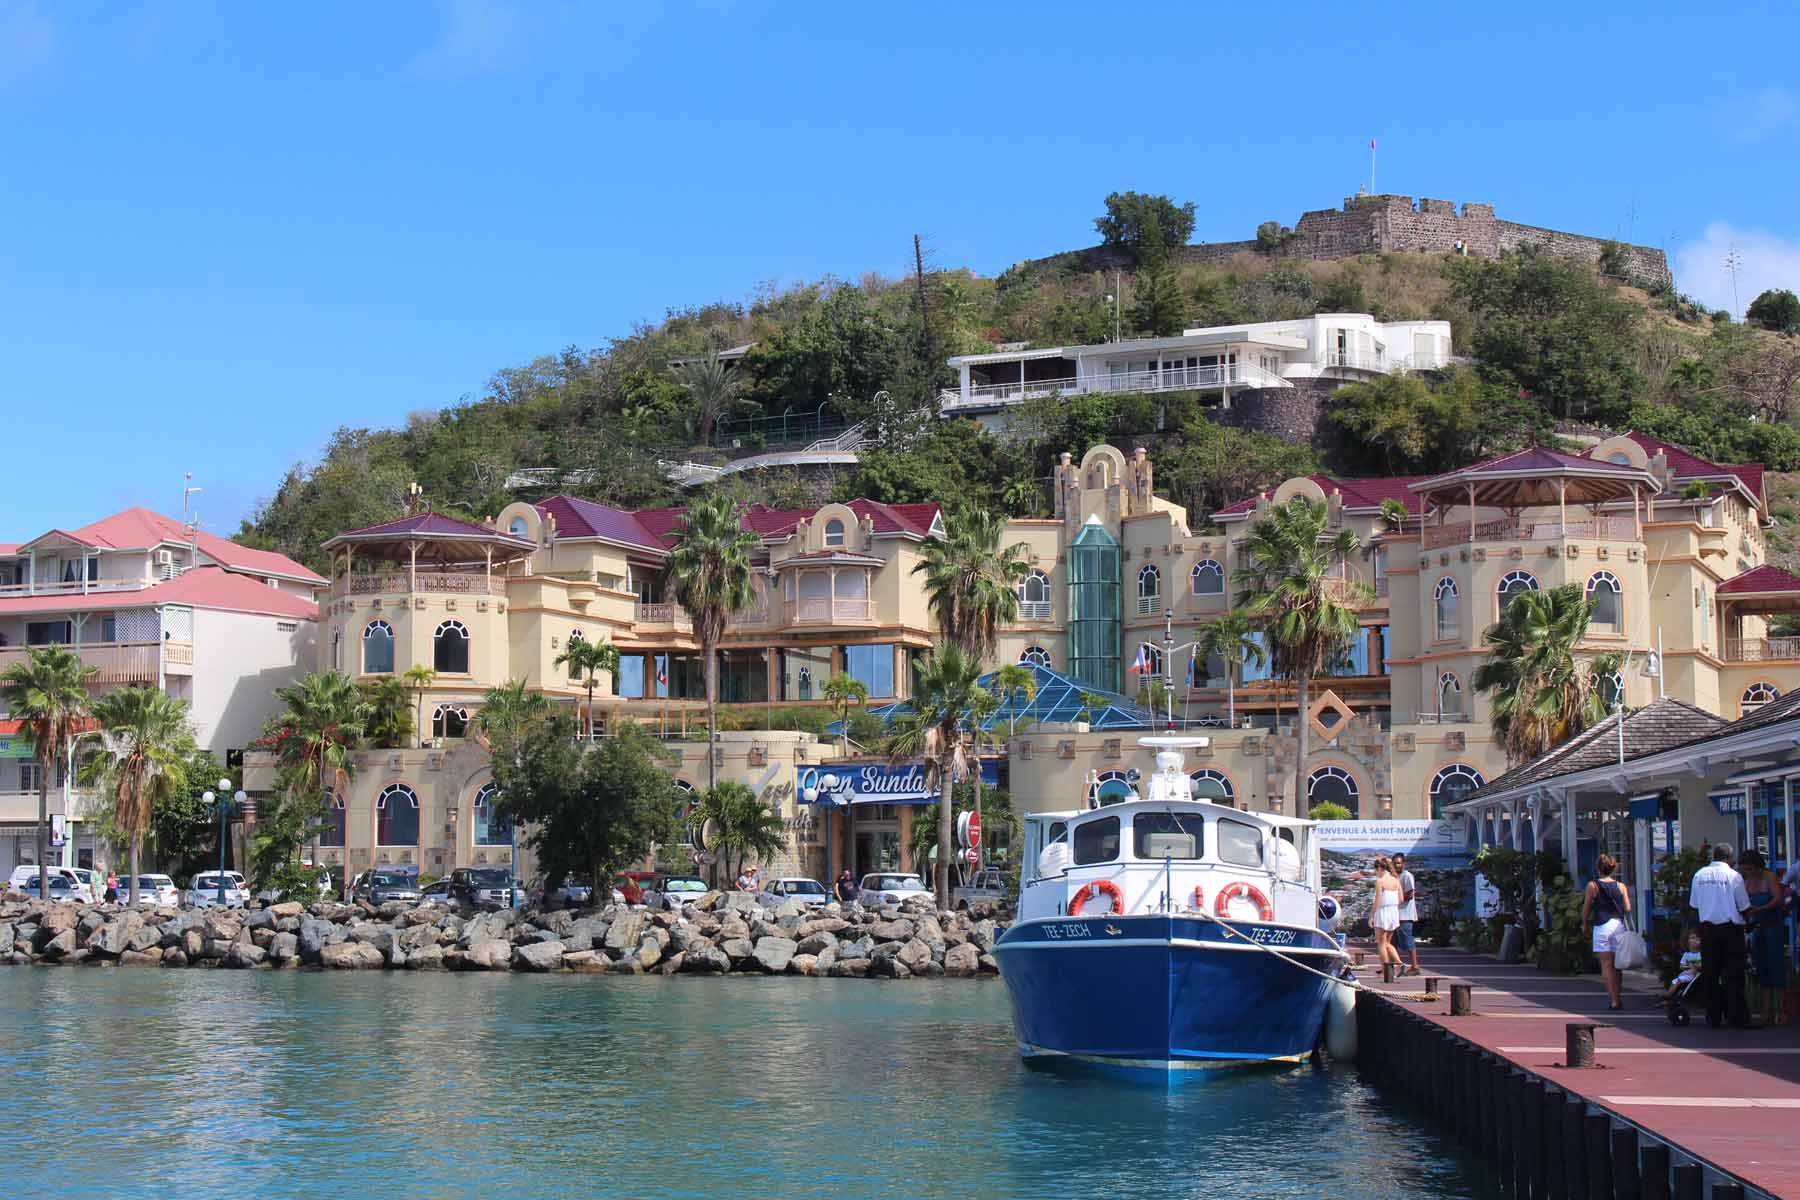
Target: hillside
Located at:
point(1550, 341)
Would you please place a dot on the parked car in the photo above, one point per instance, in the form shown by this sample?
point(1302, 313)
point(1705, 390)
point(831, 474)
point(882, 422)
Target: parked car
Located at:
point(25, 877)
point(91, 884)
point(60, 888)
point(630, 887)
point(988, 886)
point(887, 887)
point(159, 890)
point(437, 892)
point(203, 891)
point(682, 889)
point(807, 891)
point(573, 892)
point(485, 887)
point(384, 886)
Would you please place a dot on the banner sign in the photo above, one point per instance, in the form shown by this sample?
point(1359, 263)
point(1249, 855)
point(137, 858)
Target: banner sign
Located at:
point(12, 745)
point(1415, 839)
point(870, 783)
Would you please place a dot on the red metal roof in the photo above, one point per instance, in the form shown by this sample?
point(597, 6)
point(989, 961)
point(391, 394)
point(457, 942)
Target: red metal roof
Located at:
point(202, 587)
point(1536, 458)
point(583, 518)
point(141, 528)
point(1691, 466)
point(425, 523)
point(1758, 580)
point(662, 524)
point(1357, 493)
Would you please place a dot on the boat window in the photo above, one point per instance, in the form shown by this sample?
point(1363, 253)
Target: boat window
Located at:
point(1240, 844)
point(1097, 841)
point(1058, 831)
point(1168, 835)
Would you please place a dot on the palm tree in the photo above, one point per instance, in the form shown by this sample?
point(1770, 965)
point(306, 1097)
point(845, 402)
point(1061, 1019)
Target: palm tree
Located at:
point(418, 677)
point(586, 660)
point(1293, 586)
point(388, 719)
point(742, 825)
point(1011, 680)
point(708, 573)
point(844, 692)
point(946, 696)
point(506, 711)
point(971, 582)
point(1232, 637)
point(47, 694)
point(146, 742)
point(324, 720)
point(1541, 693)
point(712, 387)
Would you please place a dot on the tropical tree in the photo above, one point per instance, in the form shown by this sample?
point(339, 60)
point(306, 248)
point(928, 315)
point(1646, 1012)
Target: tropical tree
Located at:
point(708, 572)
point(146, 741)
point(418, 678)
point(47, 694)
point(713, 388)
point(1541, 693)
point(585, 661)
point(314, 739)
point(1293, 586)
point(1233, 637)
point(388, 712)
point(844, 692)
point(739, 824)
point(1013, 679)
point(946, 696)
point(971, 581)
point(507, 711)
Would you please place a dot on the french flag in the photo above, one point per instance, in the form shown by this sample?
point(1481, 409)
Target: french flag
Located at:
point(1141, 664)
point(662, 670)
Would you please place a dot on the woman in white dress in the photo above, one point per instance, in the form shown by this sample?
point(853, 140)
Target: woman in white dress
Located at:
point(1385, 917)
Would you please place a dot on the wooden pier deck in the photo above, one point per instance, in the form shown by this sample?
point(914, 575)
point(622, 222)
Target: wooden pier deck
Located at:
point(1730, 1098)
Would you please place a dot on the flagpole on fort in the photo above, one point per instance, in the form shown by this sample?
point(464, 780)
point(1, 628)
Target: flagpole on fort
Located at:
point(1371, 166)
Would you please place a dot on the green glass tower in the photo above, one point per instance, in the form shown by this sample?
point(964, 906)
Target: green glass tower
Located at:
point(1094, 607)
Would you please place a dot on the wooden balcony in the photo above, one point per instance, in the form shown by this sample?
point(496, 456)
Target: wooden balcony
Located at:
point(118, 662)
point(1763, 649)
point(1510, 529)
point(821, 610)
point(454, 583)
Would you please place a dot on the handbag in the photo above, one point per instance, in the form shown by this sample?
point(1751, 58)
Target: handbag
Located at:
point(1629, 950)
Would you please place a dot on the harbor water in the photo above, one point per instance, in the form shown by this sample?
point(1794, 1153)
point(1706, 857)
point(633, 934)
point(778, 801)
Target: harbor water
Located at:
point(258, 1084)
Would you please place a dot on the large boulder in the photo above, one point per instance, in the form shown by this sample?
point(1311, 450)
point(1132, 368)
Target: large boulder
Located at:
point(144, 938)
point(245, 954)
point(59, 945)
point(284, 947)
point(626, 930)
point(430, 958)
point(962, 961)
point(927, 930)
point(557, 920)
point(287, 908)
point(538, 956)
point(6, 938)
point(854, 968)
point(793, 908)
point(114, 938)
point(897, 930)
point(982, 934)
point(350, 956)
point(314, 934)
point(193, 944)
point(705, 960)
point(489, 954)
point(261, 918)
point(733, 927)
point(586, 961)
point(862, 947)
point(738, 950)
point(774, 953)
point(58, 917)
point(915, 954)
point(417, 938)
point(817, 941)
point(152, 957)
point(803, 964)
point(221, 926)
point(649, 952)
point(832, 925)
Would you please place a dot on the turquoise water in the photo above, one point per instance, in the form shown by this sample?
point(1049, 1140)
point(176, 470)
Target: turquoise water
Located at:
point(258, 1084)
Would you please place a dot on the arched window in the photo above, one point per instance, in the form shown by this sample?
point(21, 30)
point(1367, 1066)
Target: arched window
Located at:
point(1449, 610)
point(1111, 787)
point(575, 635)
point(491, 827)
point(1034, 597)
point(1209, 784)
point(397, 815)
point(1208, 578)
point(1612, 689)
point(332, 830)
point(520, 527)
point(1450, 694)
point(1620, 457)
point(1515, 583)
point(1035, 656)
point(1149, 589)
point(450, 648)
point(378, 649)
point(1331, 785)
point(834, 532)
point(1604, 590)
point(448, 721)
point(337, 649)
point(1452, 784)
point(1757, 695)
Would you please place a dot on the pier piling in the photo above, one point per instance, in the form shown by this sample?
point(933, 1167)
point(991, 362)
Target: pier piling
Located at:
point(1653, 1171)
point(1462, 999)
point(1574, 1146)
point(1625, 1181)
point(1556, 1178)
point(1597, 1133)
point(1690, 1182)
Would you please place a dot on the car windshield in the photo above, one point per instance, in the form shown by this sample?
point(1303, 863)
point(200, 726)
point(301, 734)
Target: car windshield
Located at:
point(392, 881)
point(490, 878)
point(805, 887)
point(897, 883)
point(683, 885)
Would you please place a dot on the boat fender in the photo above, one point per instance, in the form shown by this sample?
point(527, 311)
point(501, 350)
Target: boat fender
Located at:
point(1340, 1022)
point(1198, 900)
point(1094, 888)
point(1250, 892)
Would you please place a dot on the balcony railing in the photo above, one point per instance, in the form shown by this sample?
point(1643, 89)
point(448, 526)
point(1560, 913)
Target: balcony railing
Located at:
point(1168, 379)
point(1034, 610)
point(118, 662)
point(456, 583)
point(1437, 718)
point(675, 617)
point(45, 587)
point(1763, 649)
point(818, 610)
point(1508, 529)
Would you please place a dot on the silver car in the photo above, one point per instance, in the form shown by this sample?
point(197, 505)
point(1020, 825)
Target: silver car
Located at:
point(203, 891)
point(889, 887)
point(806, 891)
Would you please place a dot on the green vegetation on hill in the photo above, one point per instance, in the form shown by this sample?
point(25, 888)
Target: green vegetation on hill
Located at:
point(1549, 340)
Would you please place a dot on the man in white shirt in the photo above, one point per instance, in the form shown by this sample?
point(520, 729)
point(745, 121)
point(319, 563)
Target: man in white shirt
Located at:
point(1409, 912)
point(1719, 896)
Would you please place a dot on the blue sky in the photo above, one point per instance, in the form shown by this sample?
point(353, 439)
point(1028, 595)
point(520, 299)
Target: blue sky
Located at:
point(227, 229)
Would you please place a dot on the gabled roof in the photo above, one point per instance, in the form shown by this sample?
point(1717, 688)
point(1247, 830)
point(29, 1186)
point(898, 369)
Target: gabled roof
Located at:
point(1686, 466)
point(1760, 580)
point(423, 524)
point(140, 528)
point(577, 518)
point(1658, 726)
point(202, 587)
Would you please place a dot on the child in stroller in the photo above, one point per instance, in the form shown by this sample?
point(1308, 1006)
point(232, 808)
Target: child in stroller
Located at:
point(1687, 973)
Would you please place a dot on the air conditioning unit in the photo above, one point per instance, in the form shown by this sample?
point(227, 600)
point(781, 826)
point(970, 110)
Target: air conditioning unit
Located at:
point(165, 564)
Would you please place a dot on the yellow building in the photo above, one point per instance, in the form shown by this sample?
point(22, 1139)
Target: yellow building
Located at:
point(1671, 548)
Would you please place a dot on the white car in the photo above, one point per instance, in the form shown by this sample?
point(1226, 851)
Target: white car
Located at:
point(203, 891)
point(806, 891)
point(436, 893)
point(80, 890)
point(887, 887)
point(159, 890)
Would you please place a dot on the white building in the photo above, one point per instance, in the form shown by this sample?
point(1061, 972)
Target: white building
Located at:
point(1221, 360)
point(149, 602)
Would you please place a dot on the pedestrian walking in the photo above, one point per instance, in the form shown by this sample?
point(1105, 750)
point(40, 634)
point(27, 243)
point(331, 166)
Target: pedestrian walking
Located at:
point(1605, 908)
point(1766, 917)
point(1718, 895)
point(846, 887)
point(1404, 942)
point(1385, 917)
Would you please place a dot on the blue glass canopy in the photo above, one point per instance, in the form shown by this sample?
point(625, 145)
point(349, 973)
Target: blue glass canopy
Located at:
point(1058, 700)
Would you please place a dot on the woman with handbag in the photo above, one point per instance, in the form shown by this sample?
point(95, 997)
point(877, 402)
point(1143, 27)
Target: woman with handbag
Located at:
point(1768, 932)
point(1605, 909)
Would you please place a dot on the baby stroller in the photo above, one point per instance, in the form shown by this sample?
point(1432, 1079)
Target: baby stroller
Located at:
point(1678, 1013)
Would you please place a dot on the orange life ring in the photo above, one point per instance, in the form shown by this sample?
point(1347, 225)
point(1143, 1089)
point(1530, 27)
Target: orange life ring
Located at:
point(1094, 888)
point(1231, 891)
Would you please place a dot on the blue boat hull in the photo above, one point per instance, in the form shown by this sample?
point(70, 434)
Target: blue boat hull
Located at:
point(1156, 994)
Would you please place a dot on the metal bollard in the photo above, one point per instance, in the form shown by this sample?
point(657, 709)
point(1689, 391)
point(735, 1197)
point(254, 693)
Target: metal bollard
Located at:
point(1358, 958)
point(1387, 972)
point(1580, 1051)
point(1653, 1171)
point(1690, 1182)
point(1627, 1184)
point(1597, 1131)
point(1431, 985)
point(1462, 999)
point(1574, 1146)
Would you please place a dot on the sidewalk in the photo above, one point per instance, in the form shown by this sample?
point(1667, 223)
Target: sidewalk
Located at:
point(1728, 1097)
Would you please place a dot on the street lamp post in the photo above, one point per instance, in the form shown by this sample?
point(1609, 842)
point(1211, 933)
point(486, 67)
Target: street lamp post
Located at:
point(224, 800)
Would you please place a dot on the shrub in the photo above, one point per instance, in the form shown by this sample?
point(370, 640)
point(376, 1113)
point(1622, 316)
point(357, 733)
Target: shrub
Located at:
point(1564, 947)
point(1329, 812)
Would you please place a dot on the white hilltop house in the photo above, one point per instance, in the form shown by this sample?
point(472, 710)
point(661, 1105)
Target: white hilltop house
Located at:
point(1224, 360)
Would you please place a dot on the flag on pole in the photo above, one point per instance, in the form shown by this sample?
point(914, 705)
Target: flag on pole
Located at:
point(1371, 143)
point(662, 670)
point(1141, 664)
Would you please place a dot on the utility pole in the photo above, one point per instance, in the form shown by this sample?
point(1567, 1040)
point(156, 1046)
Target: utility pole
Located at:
point(925, 339)
point(1734, 261)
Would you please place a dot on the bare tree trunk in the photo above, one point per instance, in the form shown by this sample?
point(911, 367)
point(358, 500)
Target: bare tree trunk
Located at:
point(1305, 748)
point(590, 692)
point(137, 848)
point(712, 715)
point(43, 829)
point(946, 799)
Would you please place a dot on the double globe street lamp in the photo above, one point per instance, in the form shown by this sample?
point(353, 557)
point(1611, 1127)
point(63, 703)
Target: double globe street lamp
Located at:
point(226, 801)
